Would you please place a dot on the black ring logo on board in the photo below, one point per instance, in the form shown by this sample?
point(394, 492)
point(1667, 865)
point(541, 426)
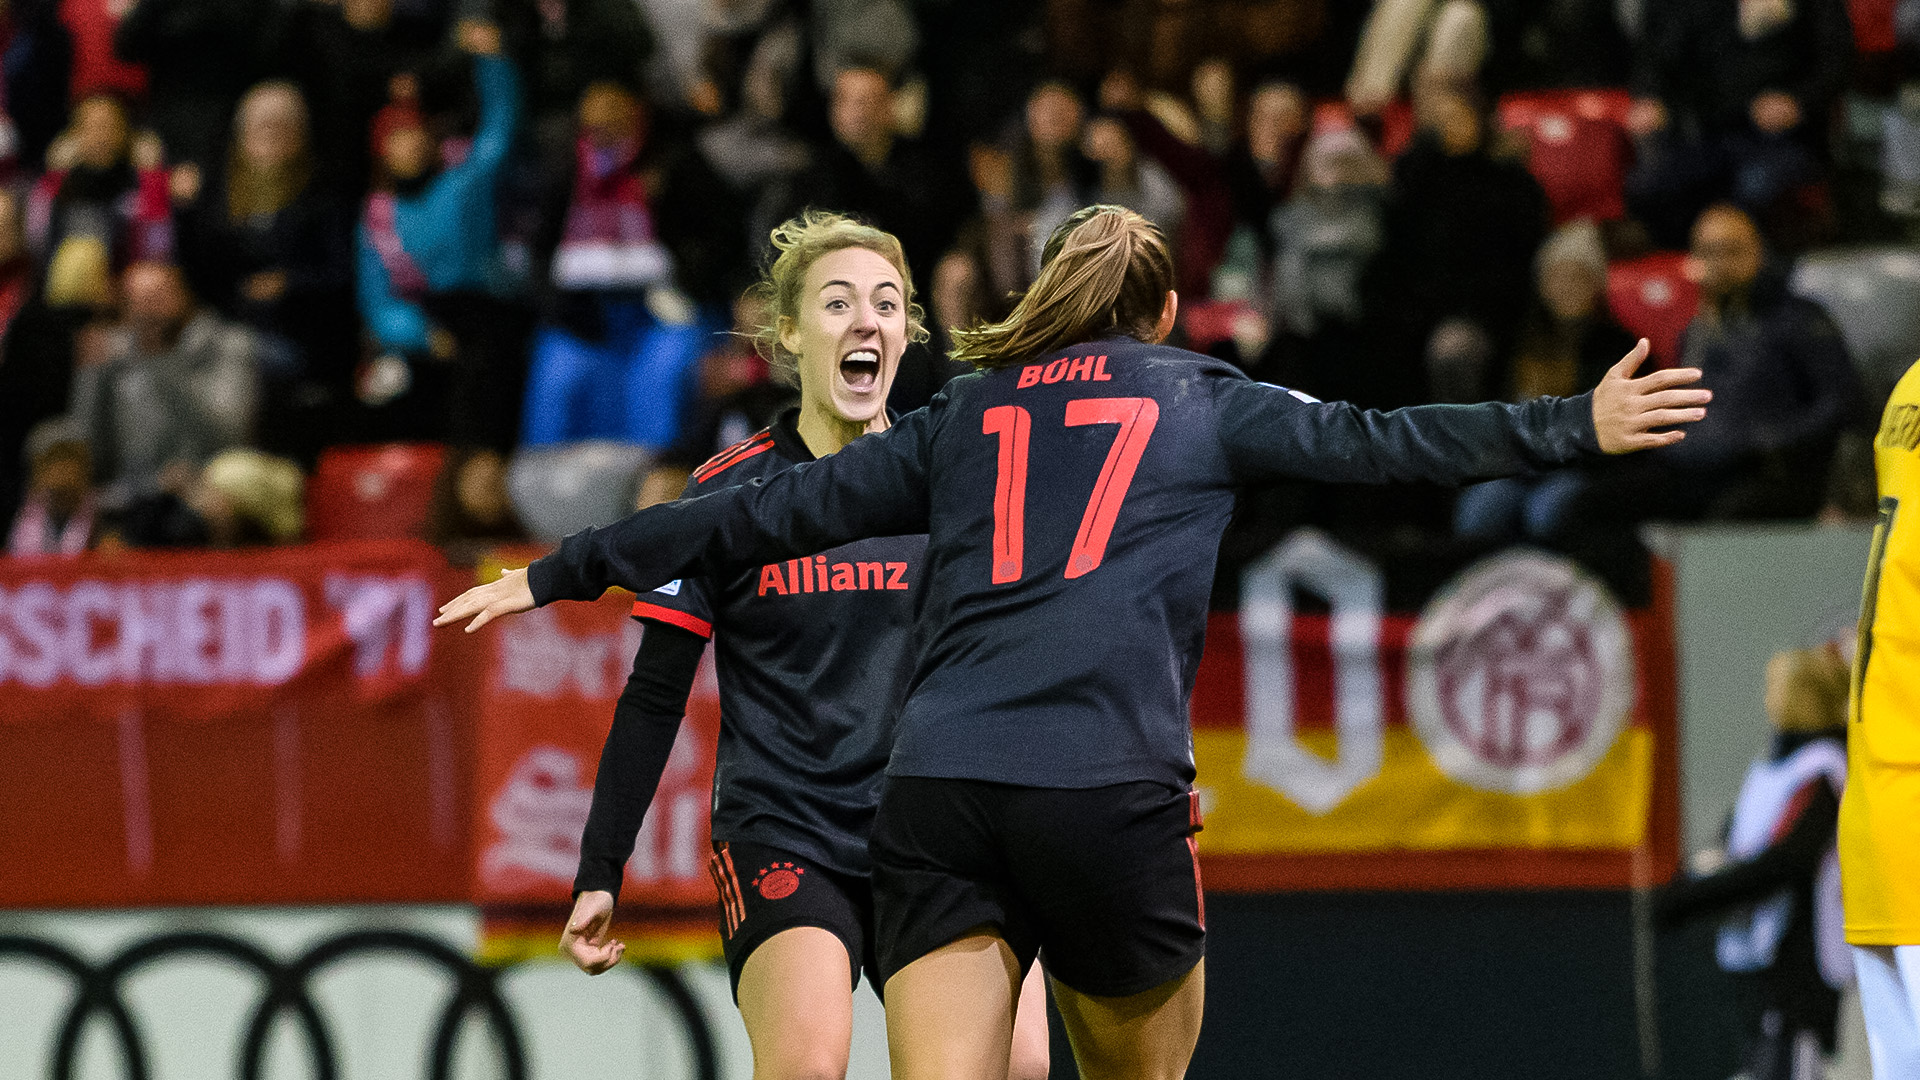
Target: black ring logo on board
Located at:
point(476, 990)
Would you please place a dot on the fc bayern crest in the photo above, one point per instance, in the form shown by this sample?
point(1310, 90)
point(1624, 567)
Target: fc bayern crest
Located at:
point(1520, 674)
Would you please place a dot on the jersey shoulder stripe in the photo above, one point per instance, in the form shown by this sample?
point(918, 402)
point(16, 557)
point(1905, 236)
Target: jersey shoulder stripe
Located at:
point(734, 455)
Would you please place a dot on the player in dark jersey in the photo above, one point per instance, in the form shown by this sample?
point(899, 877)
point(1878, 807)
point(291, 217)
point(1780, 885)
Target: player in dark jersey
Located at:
point(813, 657)
point(1074, 491)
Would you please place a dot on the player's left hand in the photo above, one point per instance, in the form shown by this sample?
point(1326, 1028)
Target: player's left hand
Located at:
point(485, 603)
point(1626, 410)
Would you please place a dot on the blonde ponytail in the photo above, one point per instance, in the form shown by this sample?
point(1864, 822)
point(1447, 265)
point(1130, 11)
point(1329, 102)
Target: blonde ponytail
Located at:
point(1105, 270)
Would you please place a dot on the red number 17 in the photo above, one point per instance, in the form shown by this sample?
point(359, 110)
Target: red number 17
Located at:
point(1136, 417)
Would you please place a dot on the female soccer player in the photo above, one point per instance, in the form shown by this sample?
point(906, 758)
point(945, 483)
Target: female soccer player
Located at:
point(1074, 491)
point(813, 663)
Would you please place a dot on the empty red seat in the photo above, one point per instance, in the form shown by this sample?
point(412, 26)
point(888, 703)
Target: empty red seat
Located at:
point(373, 492)
point(1578, 148)
point(1653, 298)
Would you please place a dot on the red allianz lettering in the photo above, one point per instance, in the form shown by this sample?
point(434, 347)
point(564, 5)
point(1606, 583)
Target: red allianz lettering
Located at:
point(1076, 369)
point(797, 576)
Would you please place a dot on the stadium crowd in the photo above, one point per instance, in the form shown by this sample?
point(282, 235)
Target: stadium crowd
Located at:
point(238, 235)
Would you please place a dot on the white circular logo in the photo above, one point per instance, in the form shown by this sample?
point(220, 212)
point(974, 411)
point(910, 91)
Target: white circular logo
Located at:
point(1520, 674)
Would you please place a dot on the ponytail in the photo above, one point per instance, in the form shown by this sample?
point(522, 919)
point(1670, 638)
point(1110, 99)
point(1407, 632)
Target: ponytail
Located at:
point(1106, 270)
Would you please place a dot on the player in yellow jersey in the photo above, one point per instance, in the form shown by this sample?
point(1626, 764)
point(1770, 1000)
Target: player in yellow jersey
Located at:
point(1880, 813)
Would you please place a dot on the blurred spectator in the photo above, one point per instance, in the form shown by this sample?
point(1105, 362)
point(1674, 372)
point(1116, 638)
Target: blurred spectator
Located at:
point(1260, 168)
point(1783, 390)
point(620, 319)
point(644, 208)
point(877, 175)
point(95, 193)
point(1216, 104)
point(241, 498)
point(1199, 216)
point(1732, 100)
point(427, 267)
point(754, 146)
point(1050, 177)
point(345, 57)
point(1778, 880)
point(1125, 178)
point(176, 386)
point(1325, 237)
point(57, 517)
point(200, 56)
point(1568, 342)
point(471, 509)
point(1782, 385)
point(1454, 271)
point(268, 246)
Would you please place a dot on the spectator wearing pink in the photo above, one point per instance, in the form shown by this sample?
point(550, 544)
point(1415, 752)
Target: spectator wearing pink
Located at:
point(57, 517)
point(96, 193)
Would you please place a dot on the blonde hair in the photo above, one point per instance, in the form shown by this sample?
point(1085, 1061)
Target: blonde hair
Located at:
point(1807, 691)
point(265, 491)
point(800, 242)
point(1105, 270)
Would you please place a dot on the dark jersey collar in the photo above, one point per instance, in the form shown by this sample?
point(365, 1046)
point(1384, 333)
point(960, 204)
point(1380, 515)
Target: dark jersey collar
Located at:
point(786, 434)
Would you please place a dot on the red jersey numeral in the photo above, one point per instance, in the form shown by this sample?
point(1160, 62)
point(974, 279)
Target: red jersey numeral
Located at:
point(1013, 424)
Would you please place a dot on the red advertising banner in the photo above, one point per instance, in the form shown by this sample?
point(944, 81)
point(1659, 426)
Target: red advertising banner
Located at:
point(268, 727)
point(284, 726)
point(550, 680)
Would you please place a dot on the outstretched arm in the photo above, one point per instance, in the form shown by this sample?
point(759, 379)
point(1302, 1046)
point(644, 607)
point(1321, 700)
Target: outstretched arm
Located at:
point(1269, 433)
point(877, 486)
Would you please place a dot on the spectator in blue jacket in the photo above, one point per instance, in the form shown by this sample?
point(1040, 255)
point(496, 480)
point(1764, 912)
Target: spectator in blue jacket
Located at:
point(428, 276)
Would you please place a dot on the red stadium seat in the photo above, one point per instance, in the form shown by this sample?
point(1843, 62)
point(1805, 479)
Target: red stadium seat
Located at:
point(1578, 148)
point(1395, 125)
point(1653, 298)
point(373, 492)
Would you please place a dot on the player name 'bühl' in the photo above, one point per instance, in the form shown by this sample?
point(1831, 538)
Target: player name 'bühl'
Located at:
point(1076, 369)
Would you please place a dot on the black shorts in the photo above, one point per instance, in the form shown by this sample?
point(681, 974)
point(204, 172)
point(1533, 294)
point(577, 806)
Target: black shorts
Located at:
point(764, 890)
point(1104, 881)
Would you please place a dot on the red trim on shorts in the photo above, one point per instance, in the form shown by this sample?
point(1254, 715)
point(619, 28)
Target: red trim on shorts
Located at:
point(720, 886)
point(672, 617)
point(733, 879)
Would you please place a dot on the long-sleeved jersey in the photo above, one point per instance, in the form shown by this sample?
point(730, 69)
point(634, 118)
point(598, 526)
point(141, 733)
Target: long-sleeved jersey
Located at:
point(812, 657)
point(1074, 506)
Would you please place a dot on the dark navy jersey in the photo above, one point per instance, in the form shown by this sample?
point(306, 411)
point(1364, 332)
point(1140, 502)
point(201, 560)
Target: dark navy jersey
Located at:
point(1075, 507)
point(813, 657)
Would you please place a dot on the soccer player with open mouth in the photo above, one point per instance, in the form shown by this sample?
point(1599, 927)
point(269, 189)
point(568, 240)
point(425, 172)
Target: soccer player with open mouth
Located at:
point(1074, 490)
point(813, 657)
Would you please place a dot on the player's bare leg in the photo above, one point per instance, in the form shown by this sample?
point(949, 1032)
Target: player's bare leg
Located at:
point(797, 1000)
point(1032, 1050)
point(950, 1013)
point(1145, 1036)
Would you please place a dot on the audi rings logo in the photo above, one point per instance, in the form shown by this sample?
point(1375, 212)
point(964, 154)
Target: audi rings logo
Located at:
point(286, 992)
point(1520, 675)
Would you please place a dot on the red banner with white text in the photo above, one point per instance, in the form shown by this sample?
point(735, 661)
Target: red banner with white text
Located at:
point(284, 726)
